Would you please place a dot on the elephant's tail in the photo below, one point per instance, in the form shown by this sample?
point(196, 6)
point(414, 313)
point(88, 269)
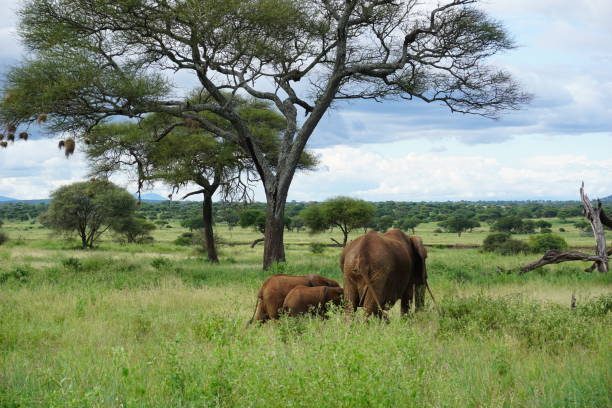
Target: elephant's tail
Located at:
point(432, 296)
point(254, 311)
point(366, 278)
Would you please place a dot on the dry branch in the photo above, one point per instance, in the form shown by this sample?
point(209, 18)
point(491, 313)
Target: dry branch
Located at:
point(257, 241)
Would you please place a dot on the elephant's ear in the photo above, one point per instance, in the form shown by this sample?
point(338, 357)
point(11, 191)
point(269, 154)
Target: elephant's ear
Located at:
point(417, 243)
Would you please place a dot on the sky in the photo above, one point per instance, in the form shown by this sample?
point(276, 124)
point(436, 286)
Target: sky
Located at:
point(412, 151)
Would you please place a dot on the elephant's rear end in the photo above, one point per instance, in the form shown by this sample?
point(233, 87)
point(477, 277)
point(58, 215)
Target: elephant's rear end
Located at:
point(377, 270)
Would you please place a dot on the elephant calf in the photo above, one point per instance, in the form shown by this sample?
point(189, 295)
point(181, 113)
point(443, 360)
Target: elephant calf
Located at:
point(274, 290)
point(304, 299)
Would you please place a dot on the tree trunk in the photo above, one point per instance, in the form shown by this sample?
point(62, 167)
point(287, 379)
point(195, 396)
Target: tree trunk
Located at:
point(209, 236)
point(83, 239)
point(274, 250)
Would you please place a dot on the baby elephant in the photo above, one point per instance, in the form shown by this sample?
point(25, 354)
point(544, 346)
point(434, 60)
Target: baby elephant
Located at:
point(274, 290)
point(305, 299)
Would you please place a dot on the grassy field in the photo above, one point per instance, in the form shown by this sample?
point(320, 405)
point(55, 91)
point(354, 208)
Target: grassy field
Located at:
point(156, 326)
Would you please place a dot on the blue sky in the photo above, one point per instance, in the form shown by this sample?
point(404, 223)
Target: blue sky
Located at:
point(416, 151)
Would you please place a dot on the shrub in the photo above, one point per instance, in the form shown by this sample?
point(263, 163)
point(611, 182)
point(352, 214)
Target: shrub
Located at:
point(317, 247)
point(161, 263)
point(198, 240)
point(19, 273)
point(185, 239)
point(533, 324)
point(3, 237)
point(560, 230)
point(546, 242)
point(513, 247)
point(72, 263)
point(493, 241)
point(599, 306)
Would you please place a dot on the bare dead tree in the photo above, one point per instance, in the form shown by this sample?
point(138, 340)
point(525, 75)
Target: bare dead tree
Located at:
point(600, 259)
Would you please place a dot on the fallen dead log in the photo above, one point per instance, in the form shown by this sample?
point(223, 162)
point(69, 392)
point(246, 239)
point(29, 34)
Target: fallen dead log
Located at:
point(555, 257)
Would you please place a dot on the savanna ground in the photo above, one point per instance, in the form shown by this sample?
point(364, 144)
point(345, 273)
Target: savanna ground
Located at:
point(156, 326)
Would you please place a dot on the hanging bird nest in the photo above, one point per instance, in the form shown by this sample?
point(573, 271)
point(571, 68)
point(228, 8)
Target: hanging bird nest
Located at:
point(42, 118)
point(61, 144)
point(69, 146)
point(10, 137)
point(24, 135)
point(1, 136)
point(3, 144)
point(12, 128)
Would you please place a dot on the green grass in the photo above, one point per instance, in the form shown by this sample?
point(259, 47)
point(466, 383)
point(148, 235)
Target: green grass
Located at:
point(157, 326)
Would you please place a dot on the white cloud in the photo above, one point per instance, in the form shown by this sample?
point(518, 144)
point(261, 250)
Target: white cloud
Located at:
point(30, 170)
point(433, 176)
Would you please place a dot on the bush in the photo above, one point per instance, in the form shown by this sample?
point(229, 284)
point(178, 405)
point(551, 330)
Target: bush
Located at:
point(493, 241)
point(599, 306)
point(513, 247)
point(502, 244)
point(198, 239)
point(19, 273)
point(3, 237)
point(185, 239)
point(546, 242)
point(72, 263)
point(317, 247)
point(532, 324)
point(161, 263)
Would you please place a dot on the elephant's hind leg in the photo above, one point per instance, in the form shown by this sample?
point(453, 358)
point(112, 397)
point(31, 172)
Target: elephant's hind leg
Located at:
point(351, 297)
point(370, 307)
point(261, 313)
point(406, 301)
point(419, 297)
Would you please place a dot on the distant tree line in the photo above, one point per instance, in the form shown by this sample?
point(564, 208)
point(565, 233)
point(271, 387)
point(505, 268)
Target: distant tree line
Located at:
point(453, 217)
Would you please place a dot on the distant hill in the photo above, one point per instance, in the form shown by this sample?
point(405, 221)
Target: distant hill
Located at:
point(151, 197)
point(3, 198)
point(607, 199)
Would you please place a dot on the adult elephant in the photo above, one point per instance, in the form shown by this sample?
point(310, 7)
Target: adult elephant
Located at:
point(379, 269)
point(272, 294)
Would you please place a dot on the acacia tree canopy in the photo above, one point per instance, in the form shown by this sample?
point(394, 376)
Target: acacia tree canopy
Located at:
point(343, 212)
point(189, 155)
point(89, 209)
point(91, 60)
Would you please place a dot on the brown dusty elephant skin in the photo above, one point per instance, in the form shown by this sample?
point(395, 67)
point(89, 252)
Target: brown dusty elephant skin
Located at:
point(306, 299)
point(274, 290)
point(379, 269)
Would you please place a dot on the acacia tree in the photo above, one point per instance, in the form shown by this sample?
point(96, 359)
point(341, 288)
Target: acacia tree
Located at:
point(188, 155)
point(92, 59)
point(89, 208)
point(343, 212)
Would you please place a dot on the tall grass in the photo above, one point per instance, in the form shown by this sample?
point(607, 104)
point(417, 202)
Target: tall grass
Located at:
point(150, 327)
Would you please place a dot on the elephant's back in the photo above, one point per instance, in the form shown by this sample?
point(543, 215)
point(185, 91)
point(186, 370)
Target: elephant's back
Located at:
point(374, 250)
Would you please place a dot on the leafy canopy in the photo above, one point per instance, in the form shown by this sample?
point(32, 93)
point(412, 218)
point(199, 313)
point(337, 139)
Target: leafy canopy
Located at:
point(89, 209)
